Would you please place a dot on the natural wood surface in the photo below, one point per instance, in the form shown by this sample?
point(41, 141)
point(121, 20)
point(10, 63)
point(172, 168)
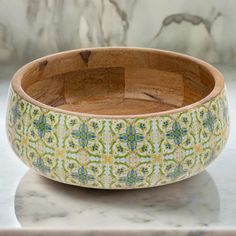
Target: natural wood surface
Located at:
point(118, 81)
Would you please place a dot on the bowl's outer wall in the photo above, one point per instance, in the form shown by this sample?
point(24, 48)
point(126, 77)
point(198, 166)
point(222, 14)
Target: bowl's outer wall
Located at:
point(117, 153)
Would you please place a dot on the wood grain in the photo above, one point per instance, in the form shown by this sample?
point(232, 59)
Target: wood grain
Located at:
point(118, 81)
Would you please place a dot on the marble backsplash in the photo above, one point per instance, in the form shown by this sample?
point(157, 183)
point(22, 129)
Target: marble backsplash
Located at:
point(32, 28)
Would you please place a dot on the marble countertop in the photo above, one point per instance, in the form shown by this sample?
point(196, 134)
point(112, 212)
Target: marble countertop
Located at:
point(202, 205)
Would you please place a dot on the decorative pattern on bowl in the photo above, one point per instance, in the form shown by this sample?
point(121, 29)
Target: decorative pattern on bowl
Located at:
point(117, 153)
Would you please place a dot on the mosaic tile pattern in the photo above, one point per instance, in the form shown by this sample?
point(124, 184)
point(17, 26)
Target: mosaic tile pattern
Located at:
point(117, 153)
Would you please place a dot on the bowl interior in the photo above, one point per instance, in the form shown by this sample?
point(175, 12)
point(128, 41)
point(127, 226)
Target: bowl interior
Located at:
point(117, 81)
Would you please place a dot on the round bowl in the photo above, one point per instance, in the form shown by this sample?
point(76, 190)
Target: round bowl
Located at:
point(117, 118)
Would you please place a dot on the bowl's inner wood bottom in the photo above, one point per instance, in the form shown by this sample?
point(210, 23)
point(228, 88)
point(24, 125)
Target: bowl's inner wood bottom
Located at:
point(125, 106)
point(123, 90)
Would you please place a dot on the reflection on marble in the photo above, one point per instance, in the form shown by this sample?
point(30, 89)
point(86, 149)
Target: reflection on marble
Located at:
point(30, 29)
point(42, 202)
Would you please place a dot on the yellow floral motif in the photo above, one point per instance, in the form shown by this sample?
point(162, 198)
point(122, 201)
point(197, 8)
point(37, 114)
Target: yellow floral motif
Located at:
point(107, 159)
point(24, 140)
point(225, 133)
point(157, 159)
point(60, 152)
point(198, 148)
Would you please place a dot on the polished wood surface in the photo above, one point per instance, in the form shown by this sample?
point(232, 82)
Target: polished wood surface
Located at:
point(118, 81)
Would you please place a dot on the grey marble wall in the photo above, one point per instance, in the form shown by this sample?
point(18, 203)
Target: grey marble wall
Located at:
point(33, 28)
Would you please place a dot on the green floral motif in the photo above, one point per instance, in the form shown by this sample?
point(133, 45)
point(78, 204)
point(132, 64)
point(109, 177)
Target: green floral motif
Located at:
point(177, 133)
point(131, 179)
point(131, 138)
point(209, 121)
point(82, 175)
point(178, 171)
point(42, 126)
point(15, 112)
point(208, 157)
point(83, 135)
point(39, 164)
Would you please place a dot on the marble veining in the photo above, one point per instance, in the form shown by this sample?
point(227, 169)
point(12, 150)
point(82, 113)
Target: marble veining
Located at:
point(30, 29)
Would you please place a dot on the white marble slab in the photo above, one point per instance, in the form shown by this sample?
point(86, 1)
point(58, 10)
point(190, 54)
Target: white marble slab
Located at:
point(30, 29)
point(202, 205)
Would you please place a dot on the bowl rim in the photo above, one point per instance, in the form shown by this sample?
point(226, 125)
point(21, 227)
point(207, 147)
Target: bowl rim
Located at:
point(216, 74)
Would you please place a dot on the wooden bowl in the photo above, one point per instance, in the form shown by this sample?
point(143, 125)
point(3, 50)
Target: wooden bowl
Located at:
point(117, 118)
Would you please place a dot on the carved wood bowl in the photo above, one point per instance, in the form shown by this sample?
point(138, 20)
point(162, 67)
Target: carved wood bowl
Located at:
point(117, 118)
